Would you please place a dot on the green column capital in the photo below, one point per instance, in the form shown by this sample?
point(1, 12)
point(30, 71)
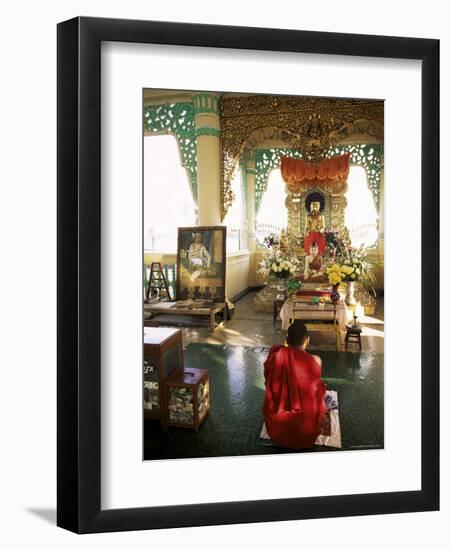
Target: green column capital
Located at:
point(206, 109)
point(206, 102)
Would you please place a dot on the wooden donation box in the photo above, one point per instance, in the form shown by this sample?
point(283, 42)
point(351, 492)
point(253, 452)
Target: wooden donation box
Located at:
point(163, 356)
point(187, 398)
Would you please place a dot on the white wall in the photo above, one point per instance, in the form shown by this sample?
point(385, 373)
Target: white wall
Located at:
point(28, 230)
point(237, 270)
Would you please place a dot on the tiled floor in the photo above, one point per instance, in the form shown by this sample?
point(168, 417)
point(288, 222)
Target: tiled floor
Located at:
point(237, 393)
point(252, 328)
point(234, 356)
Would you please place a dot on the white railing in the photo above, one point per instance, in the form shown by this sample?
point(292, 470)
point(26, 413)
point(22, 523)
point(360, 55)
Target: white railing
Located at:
point(264, 229)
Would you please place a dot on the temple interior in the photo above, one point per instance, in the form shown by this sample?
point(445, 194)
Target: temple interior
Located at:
point(259, 210)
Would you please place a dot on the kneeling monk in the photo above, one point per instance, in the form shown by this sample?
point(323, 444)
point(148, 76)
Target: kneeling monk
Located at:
point(294, 405)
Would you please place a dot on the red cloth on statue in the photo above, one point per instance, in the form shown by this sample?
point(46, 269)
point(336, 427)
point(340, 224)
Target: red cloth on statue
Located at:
point(319, 238)
point(294, 405)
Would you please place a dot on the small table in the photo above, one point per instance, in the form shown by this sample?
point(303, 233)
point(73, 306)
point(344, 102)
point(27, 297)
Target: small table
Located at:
point(329, 316)
point(324, 318)
point(353, 336)
point(171, 308)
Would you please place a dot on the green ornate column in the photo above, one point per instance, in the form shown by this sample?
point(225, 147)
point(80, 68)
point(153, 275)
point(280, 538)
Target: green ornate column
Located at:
point(381, 208)
point(380, 243)
point(249, 166)
point(207, 130)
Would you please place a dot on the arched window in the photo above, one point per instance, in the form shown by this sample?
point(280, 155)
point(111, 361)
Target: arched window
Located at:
point(272, 214)
point(168, 202)
point(361, 217)
point(235, 217)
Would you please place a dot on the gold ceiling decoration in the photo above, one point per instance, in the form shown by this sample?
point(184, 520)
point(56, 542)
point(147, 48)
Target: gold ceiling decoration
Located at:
point(311, 124)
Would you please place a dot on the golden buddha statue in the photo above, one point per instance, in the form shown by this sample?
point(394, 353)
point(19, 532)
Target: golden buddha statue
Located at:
point(314, 228)
point(314, 269)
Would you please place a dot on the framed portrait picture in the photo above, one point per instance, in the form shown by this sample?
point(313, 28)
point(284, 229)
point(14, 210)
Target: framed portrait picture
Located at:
point(248, 259)
point(201, 263)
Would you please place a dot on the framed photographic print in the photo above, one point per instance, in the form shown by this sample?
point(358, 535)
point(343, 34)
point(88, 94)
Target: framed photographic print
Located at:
point(248, 259)
point(201, 263)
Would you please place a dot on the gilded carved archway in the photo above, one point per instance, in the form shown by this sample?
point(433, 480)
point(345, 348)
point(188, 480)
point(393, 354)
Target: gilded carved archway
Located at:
point(310, 124)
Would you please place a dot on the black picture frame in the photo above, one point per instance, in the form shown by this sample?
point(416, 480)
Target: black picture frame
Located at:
point(79, 320)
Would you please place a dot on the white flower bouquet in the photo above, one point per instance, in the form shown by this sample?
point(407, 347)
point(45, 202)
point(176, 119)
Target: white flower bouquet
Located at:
point(275, 263)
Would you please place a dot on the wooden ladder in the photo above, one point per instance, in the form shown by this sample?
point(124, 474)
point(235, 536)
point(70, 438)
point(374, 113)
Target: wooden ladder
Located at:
point(157, 283)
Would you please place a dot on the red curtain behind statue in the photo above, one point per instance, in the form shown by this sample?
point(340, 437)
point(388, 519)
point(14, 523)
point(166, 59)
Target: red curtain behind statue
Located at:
point(327, 172)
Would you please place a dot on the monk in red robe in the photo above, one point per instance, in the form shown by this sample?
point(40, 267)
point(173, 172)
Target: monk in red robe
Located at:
point(294, 405)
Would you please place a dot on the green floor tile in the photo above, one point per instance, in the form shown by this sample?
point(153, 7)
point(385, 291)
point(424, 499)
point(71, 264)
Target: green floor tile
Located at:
point(237, 394)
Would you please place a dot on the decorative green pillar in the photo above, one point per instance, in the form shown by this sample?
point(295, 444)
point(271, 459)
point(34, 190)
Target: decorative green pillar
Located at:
point(250, 172)
point(207, 130)
point(381, 210)
point(380, 244)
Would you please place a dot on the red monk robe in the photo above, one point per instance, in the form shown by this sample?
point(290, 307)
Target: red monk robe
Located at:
point(295, 397)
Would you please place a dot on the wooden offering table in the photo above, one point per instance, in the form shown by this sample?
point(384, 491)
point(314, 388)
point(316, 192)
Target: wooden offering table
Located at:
point(317, 315)
point(163, 356)
point(188, 307)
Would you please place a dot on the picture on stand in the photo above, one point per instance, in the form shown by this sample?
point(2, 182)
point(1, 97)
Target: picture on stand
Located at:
point(201, 263)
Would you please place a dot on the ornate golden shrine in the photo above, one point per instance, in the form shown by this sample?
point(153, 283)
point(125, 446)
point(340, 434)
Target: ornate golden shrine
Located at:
point(310, 123)
point(327, 179)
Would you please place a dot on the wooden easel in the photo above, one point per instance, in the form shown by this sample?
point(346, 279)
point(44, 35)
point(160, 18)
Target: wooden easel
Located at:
point(157, 283)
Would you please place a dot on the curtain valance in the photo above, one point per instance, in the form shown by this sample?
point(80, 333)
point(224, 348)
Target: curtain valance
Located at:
point(331, 173)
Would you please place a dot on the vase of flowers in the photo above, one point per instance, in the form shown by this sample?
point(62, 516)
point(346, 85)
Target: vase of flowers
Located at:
point(355, 268)
point(279, 266)
point(350, 293)
point(346, 273)
point(335, 296)
point(351, 265)
point(335, 277)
